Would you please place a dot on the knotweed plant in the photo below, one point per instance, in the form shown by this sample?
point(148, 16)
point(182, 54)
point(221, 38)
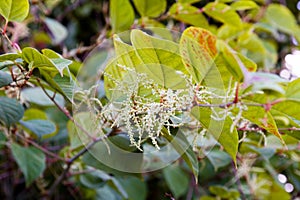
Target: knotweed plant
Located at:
point(143, 108)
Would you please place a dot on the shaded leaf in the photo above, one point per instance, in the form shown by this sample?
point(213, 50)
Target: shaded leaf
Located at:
point(134, 187)
point(36, 95)
point(31, 161)
point(182, 146)
point(119, 161)
point(5, 79)
point(219, 129)
point(176, 179)
point(40, 128)
point(58, 32)
point(11, 111)
point(218, 159)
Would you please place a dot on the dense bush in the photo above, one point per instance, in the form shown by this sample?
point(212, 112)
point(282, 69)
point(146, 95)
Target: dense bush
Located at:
point(149, 99)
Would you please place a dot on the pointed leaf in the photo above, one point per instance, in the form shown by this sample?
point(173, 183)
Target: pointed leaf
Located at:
point(31, 161)
point(39, 60)
point(223, 13)
point(121, 15)
point(283, 19)
point(58, 32)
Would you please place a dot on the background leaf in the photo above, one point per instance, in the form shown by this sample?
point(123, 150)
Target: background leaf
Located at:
point(30, 160)
point(176, 179)
point(11, 111)
point(151, 8)
point(5, 79)
point(121, 15)
point(40, 128)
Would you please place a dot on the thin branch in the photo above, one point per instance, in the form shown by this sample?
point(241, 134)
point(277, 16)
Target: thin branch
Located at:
point(238, 181)
point(63, 110)
point(46, 151)
point(71, 161)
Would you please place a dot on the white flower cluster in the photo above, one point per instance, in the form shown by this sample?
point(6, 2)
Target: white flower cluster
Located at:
point(144, 115)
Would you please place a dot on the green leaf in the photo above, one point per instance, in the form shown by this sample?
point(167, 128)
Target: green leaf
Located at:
point(134, 187)
point(243, 5)
point(183, 147)
point(188, 14)
point(283, 19)
point(50, 60)
point(41, 129)
point(121, 15)
point(64, 85)
point(31, 161)
point(223, 13)
point(30, 54)
point(220, 130)
point(176, 179)
point(94, 179)
point(13, 10)
point(119, 161)
point(262, 118)
point(198, 51)
point(9, 56)
point(61, 64)
point(107, 192)
point(188, 1)
point(125, 56)
point(293, 90)
point(159, 51)
point(11, 111)
point(236, 63)
point(223, 192)
point(161, 60)
point(5, 79)
point(152, 8)
point(58, 32)
point(34, 113)
point(77, 137)
point(37, 96)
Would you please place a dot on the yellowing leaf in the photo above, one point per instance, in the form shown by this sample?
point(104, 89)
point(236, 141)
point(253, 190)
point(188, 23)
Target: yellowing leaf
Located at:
point(198, 51)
